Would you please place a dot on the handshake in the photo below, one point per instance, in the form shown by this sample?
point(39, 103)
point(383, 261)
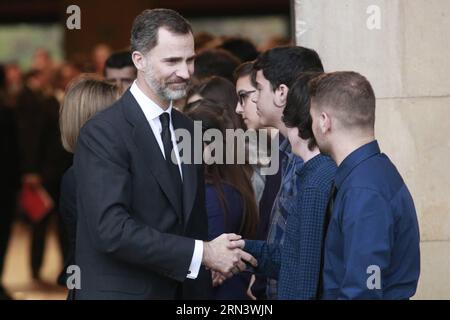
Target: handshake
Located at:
point(225, 257)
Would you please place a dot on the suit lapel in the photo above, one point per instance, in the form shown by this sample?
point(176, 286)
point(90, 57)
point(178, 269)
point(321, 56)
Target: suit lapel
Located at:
point(149, 149)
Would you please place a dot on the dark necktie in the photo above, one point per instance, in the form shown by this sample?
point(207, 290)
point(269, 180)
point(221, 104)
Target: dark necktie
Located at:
point(326, 222)
point(166, 137)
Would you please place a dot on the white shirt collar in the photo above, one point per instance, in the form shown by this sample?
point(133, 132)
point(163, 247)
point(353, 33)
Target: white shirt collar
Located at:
point(149, 107)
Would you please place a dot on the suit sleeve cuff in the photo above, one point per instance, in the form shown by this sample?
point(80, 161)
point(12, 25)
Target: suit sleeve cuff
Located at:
point(196, 261)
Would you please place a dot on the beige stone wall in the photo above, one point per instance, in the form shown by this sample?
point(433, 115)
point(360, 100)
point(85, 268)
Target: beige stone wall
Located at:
point(408, 62)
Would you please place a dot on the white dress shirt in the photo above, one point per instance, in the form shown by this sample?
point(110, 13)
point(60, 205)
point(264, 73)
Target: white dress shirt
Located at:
point(152, 112)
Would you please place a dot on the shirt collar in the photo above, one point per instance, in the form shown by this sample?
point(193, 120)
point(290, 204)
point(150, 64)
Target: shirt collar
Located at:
point(148, 106)
point(354, 159)
point(285, 146)
point(312, 164)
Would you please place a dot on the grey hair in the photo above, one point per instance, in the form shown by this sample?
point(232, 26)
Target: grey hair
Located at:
point(144, 33)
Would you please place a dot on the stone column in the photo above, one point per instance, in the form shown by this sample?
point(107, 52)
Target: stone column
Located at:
point(403, 48)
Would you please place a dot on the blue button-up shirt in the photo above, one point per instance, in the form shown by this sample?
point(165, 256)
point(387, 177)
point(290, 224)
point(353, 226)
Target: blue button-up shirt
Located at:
point(290, 164)
point(372, 245)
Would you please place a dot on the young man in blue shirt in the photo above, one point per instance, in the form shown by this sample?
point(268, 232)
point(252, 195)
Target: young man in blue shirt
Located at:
point(274, 73)
point(295, 263)
point(372, 243)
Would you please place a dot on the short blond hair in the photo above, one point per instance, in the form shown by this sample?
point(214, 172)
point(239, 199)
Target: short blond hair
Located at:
point(84, 97)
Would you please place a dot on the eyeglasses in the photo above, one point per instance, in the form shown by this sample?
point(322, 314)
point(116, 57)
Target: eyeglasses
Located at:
point(243, 95)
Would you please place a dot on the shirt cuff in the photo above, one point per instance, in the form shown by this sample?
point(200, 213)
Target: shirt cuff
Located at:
point(196, 261)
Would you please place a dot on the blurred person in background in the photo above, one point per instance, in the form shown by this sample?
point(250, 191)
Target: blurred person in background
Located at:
point(215, 62)
point(100, 54)
point(85, 97)
point(67, 71)
point(42, 60)
point(229, 196)
point(242, 48)
point(220, 91)
point(9, 173)
point(13, 84)
point(273, 42)
point(205, 40)
point(120, 70)
point(42, 157)
point(43, 63)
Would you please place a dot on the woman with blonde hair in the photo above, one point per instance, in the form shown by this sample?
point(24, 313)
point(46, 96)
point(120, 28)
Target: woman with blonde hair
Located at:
point(85, 96)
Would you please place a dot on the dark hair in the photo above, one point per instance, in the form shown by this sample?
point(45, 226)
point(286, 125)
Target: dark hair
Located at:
point(119, 60)
point(296, 113)
point(244, 70)
point(282, 65)
point(201, 40)
point(215, 62)
point(32, 74)
point(222, 92)
point(347, 93)
point(214, 116)
point(144, 33)
point(242, 48)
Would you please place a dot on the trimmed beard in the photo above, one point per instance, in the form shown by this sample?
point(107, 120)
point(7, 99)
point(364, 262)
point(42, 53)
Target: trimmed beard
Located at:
point(162, 89)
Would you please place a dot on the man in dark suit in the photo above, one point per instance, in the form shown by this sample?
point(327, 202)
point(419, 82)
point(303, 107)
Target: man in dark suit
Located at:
point(141, 215)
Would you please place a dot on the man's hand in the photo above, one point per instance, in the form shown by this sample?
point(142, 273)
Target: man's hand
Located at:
point(225, 255)
point(237, 243)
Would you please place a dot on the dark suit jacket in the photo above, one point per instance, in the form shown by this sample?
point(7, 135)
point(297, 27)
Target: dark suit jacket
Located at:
point(134, 239)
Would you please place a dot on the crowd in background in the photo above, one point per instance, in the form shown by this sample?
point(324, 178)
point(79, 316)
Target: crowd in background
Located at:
point(33, 154)
point(335, 206)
